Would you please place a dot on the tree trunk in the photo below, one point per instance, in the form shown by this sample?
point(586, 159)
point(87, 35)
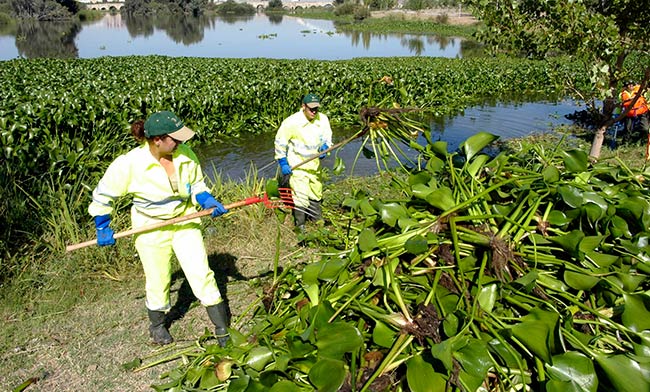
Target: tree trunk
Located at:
point(606, 119)
point(597, 144)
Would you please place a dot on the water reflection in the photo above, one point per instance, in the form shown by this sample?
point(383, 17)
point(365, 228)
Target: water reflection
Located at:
point(52, 39)
point(180, 28)
point(275, 19)
point(416, 44)
point(215, 36)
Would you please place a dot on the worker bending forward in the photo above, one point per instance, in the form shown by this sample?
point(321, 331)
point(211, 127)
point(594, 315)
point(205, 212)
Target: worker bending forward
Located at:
point(164, 177)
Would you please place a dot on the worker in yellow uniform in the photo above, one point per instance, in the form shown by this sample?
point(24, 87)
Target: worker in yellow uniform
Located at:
point(301, 136)
point(164, 178)
point(638, 113)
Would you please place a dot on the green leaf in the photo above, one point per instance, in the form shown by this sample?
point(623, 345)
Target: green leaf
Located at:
point(569, 242)
point(327, 375)
point(535, 336)
point(439, 148)
point(331, 269)
point(441, 198)
point(366, 208)
point(259, 357)
point(477, 164)
point(537, 332)
point(421, 377)
point(272, 187)
point(132, 364)
point(444, 351)
point(367, 240)
point(633, 205)
point(239, 384)
point(339, 166)
point(209, 379)
point(475, 143)
point(602, 260)
point(416, 245)
point(475, 359)
point(487, 297)
point(619, 227)
point(635, 314)
point(551, 174)
point(580, 281)
point(624, 373)
point(420, 178)
point(631, 281)
point(421, 191)
point(383, 335)
point(590, 243)
point(572, 372)
point(571, 195)
point(392, 212)
point(335, 339)
point(558, 218)
point(299, 348)
point(284, 386)
point(508, 354)
point(575, 161)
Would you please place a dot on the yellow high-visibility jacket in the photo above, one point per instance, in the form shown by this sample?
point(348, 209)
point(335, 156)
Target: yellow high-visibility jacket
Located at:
point(298, 139)
point(139, 174)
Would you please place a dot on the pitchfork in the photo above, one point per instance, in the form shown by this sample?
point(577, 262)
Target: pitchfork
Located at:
point(285, 201)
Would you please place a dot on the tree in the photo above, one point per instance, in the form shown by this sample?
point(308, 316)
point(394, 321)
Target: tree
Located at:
point(46, 10)
point(602, 35)
point(275, 4)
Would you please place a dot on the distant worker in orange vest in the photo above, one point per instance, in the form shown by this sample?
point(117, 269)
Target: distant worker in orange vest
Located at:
point(638, 112)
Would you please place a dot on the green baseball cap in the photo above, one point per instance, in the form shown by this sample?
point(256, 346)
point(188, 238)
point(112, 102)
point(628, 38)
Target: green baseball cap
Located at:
point(167, 123)
point(311, 100)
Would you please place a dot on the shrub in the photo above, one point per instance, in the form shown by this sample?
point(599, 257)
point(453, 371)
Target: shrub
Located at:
point(361, 12)
point(275, 4)
point(346, 8)
point(233, 8)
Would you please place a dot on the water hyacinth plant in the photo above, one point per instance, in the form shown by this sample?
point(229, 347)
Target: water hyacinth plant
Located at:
point(523, 270)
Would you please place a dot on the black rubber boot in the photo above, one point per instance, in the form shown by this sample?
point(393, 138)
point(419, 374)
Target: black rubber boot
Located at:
point(299, 219)
point(219, 316)
point(157, 330)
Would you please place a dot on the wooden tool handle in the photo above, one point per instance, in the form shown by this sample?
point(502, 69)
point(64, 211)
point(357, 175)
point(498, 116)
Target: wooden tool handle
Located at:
point(153, 226)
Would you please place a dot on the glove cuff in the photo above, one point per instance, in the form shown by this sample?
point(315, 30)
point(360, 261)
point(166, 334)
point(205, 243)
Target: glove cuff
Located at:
point(102, 221)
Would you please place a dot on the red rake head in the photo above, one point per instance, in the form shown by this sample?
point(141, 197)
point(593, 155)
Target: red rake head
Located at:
point(285, 201)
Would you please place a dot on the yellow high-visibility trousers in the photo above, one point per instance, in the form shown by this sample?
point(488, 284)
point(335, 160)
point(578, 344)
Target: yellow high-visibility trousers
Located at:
point(305, 186)
point(156, 248)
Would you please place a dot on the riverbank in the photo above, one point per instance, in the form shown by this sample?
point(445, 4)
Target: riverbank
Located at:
point(452, 16)
point(66, 329)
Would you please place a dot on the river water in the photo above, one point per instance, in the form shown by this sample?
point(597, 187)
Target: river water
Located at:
point(259, 35)
point(234, 157)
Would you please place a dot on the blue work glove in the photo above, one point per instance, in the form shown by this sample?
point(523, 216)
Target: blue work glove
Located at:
point(284, 166)
point(322, 148)
point(104, 232)
point(206, 200)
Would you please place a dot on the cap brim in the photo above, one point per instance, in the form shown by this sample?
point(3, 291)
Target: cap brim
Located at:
point(313, 105)
point(184, 134)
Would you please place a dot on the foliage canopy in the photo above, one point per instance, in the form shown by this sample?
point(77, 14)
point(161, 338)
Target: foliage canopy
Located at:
point(600, 35)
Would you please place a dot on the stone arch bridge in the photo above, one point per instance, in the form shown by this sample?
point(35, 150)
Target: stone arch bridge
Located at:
point(291, 5)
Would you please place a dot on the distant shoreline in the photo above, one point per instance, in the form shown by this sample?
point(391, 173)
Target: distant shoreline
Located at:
point(455, 16)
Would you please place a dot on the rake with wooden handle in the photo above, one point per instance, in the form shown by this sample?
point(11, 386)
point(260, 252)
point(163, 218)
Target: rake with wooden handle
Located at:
point(285, 201)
